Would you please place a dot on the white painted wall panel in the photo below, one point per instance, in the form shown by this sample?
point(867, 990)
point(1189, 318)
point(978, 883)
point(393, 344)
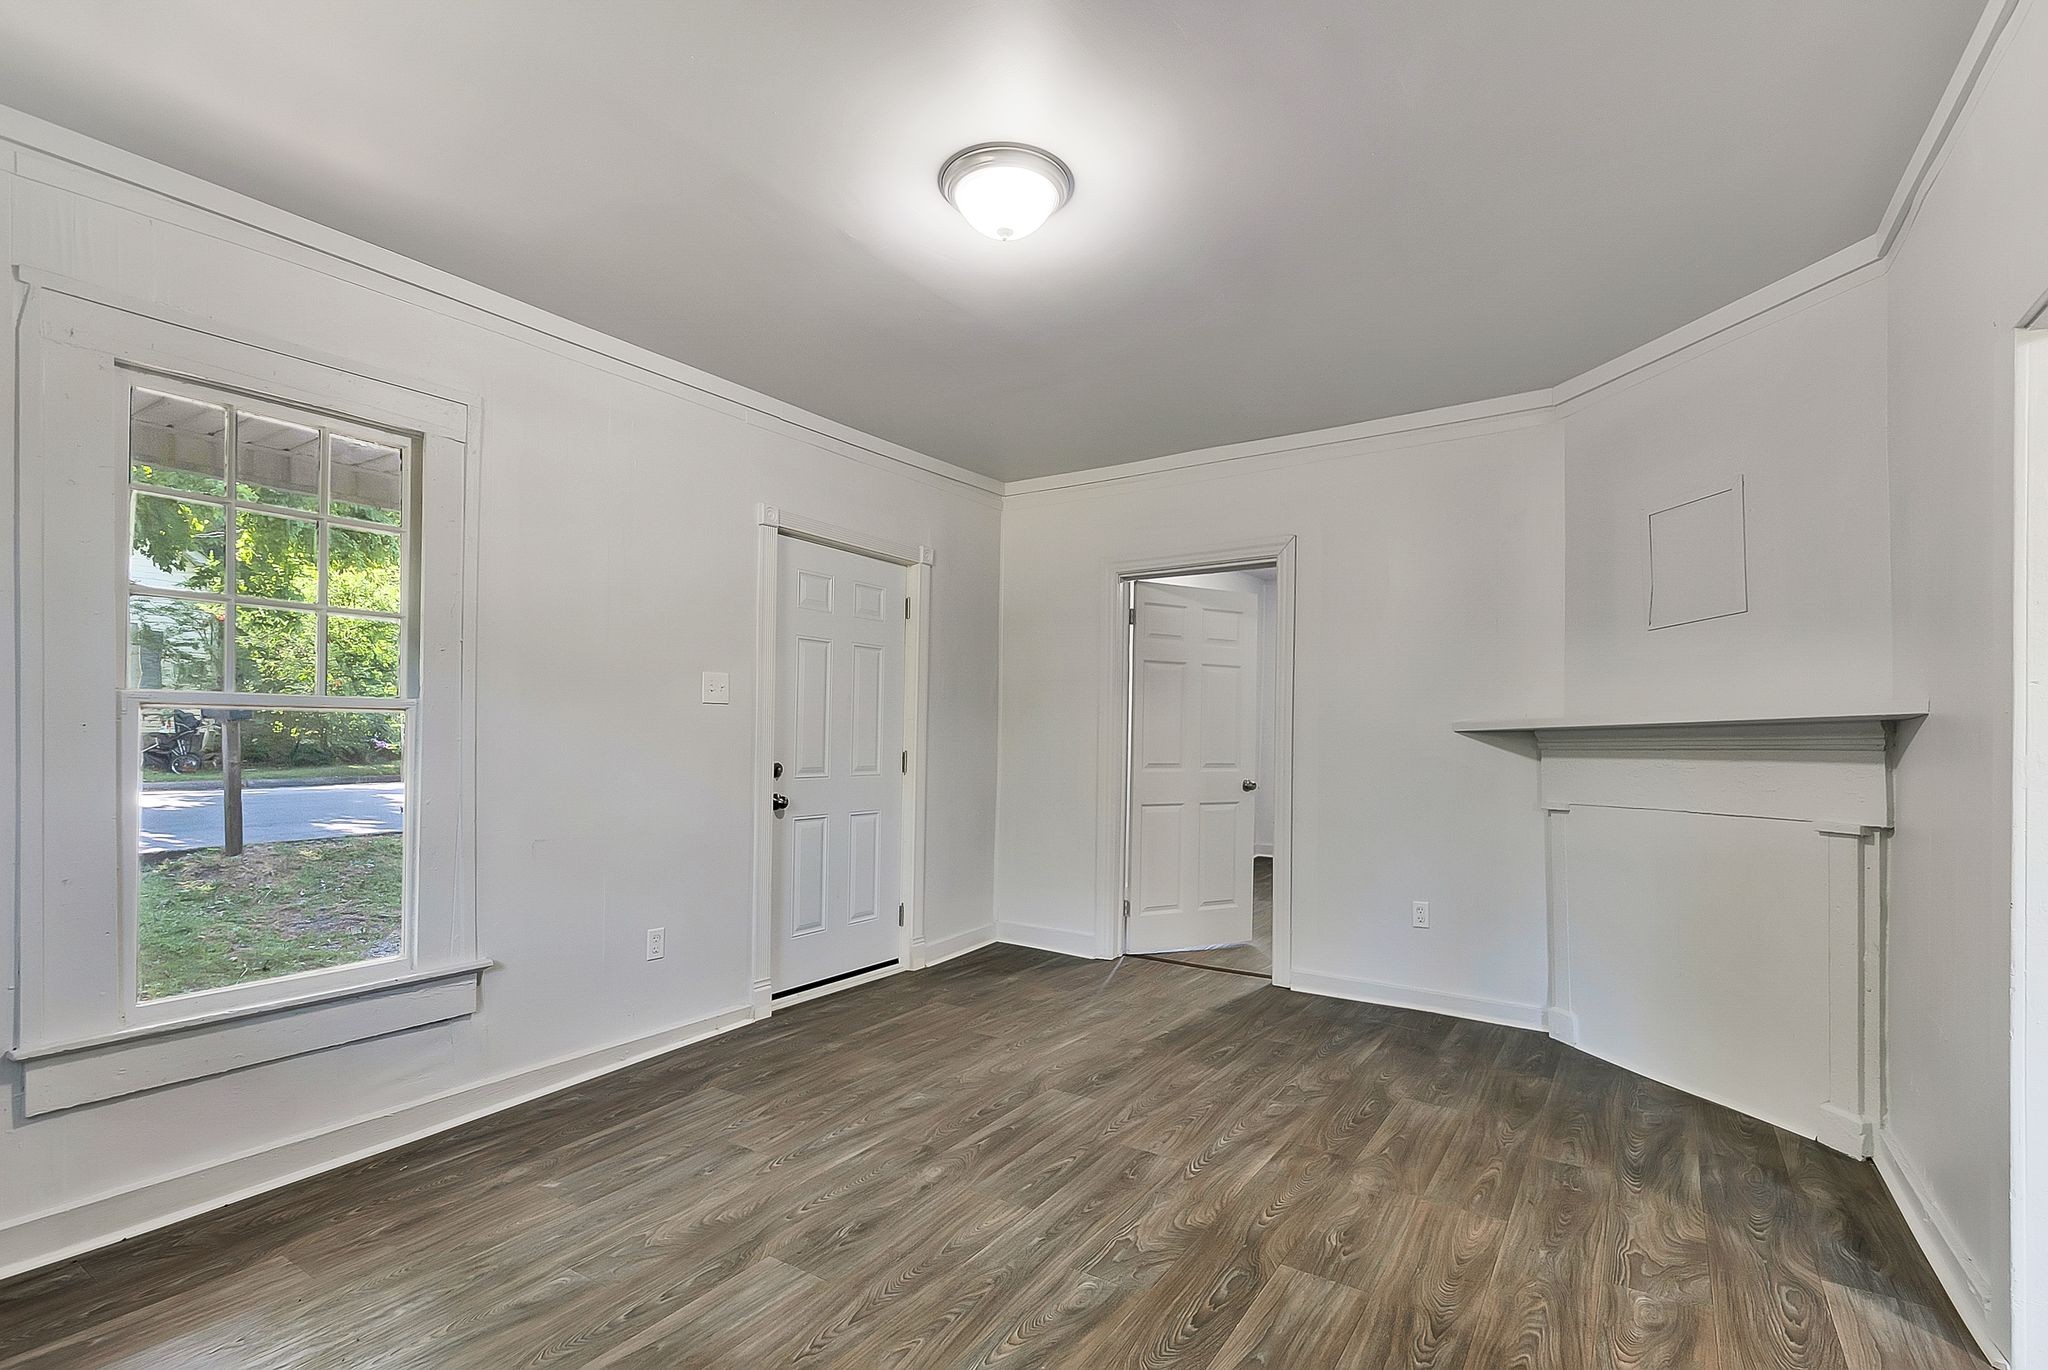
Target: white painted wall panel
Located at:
point(1971, 268)
point(609, 800)
point(1430, 583)
point(1792, 404)
point(1699, 945)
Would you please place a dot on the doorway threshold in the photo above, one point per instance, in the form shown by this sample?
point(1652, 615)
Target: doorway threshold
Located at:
point(1201, 965)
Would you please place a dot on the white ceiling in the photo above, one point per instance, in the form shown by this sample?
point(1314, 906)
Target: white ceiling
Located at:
point(1287, 216)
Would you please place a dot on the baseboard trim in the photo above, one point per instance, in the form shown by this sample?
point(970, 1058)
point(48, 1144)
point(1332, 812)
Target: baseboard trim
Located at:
point(1846, 1132)
point(1502, 1011)
point(1066, 941)
point(1958, 1274)
point(1562, 1024)
point(959, 944)
point(59, 1235)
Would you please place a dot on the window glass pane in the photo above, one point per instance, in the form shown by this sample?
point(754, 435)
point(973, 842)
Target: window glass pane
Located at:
point(294, 862)
point(276, 557)
point(362, 569)
point(274, 650)
point(276, 462)
point(174, 644)
point(176, 442)
point(368, 479)
point(176, 544)
point(362, 657)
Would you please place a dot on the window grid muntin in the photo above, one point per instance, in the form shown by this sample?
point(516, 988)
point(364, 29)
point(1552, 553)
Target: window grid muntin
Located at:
point(326, 428)
point(404, 701)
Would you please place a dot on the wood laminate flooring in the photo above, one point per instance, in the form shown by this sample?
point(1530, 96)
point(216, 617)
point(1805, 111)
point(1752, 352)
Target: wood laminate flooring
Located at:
point(1018, 1159)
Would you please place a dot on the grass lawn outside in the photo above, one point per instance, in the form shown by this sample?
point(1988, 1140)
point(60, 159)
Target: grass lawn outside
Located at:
point(369, 770)
point(206, 920)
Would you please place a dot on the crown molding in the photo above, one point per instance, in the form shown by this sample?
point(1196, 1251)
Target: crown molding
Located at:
point(38, 150)
point(1851, 266)
point(1404, 430)
point(1992, 26)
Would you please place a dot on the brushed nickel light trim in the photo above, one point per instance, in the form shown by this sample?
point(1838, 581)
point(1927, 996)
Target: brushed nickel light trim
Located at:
point(1023, 157)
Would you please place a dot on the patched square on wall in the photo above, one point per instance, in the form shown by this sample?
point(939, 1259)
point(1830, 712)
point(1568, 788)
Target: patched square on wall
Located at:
point(1699, 559)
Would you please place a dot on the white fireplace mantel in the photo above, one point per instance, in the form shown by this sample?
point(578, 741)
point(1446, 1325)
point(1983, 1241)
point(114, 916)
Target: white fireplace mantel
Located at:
point(1716, 904)
point(1588, 723)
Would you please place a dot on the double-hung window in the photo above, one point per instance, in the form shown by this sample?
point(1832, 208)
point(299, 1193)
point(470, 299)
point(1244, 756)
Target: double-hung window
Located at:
point(247, 742)
point(270, 688)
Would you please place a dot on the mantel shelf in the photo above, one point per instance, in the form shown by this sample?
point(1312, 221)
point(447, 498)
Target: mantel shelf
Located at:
point(1596, 722)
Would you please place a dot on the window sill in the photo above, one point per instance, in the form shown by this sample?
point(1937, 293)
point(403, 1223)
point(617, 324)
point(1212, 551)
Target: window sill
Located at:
point(67, 1074)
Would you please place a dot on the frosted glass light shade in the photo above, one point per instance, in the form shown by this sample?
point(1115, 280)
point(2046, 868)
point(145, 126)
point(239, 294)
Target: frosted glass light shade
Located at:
point(1006, 190)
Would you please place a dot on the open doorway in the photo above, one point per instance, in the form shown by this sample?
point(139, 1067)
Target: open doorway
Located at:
point(1201, 767)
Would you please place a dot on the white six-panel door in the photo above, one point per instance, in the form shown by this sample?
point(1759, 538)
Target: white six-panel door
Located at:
point(838, 844)
point(1194, 748)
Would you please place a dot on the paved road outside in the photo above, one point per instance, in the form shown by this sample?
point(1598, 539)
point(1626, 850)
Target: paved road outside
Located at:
point(181, 819)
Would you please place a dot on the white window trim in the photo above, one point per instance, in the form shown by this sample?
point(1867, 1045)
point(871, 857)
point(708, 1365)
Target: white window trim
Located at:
point(81, 1035)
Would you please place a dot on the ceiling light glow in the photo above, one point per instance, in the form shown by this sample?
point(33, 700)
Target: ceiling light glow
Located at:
point(1006, 190)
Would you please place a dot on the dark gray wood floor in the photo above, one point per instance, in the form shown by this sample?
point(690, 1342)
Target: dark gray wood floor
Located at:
point(1017, 1159)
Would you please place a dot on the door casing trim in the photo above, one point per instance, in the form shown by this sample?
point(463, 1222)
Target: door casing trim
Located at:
point(774, 524)
point(1113, 778)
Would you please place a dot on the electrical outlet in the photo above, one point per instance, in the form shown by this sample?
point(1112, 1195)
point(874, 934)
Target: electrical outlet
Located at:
point(657, 939)
point(717, 687)
point(1421, 913)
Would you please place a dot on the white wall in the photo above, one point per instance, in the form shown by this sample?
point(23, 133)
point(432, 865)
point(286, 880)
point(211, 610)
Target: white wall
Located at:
point(618, 537)
point(1428, 578)
point(1972, 266)
point(1793, 404)
point(1699, 954)
point(1263, 583)
point(1484, 571)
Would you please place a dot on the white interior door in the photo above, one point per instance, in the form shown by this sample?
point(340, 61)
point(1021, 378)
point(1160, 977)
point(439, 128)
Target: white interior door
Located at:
point(1194, 758)
point(838, 842)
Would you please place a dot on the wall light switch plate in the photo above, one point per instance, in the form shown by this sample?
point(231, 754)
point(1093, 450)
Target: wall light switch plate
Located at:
point(657, 943)
point(1421, 913)
point(717, 687)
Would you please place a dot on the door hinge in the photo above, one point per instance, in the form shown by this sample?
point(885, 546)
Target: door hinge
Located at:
point(1127, 910)
point(899, 915)
point(906, 608)
point(1133, 619)
point(906, 763)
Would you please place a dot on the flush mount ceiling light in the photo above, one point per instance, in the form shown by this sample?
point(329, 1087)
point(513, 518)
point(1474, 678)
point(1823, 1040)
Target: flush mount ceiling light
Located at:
point(1005, 190)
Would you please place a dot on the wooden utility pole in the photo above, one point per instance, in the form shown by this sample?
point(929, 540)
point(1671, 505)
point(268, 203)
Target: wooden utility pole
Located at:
point(231, 784)
point(231, 777)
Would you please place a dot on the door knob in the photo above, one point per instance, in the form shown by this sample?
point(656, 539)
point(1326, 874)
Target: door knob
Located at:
point(781, 802)
point(1251, 784)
